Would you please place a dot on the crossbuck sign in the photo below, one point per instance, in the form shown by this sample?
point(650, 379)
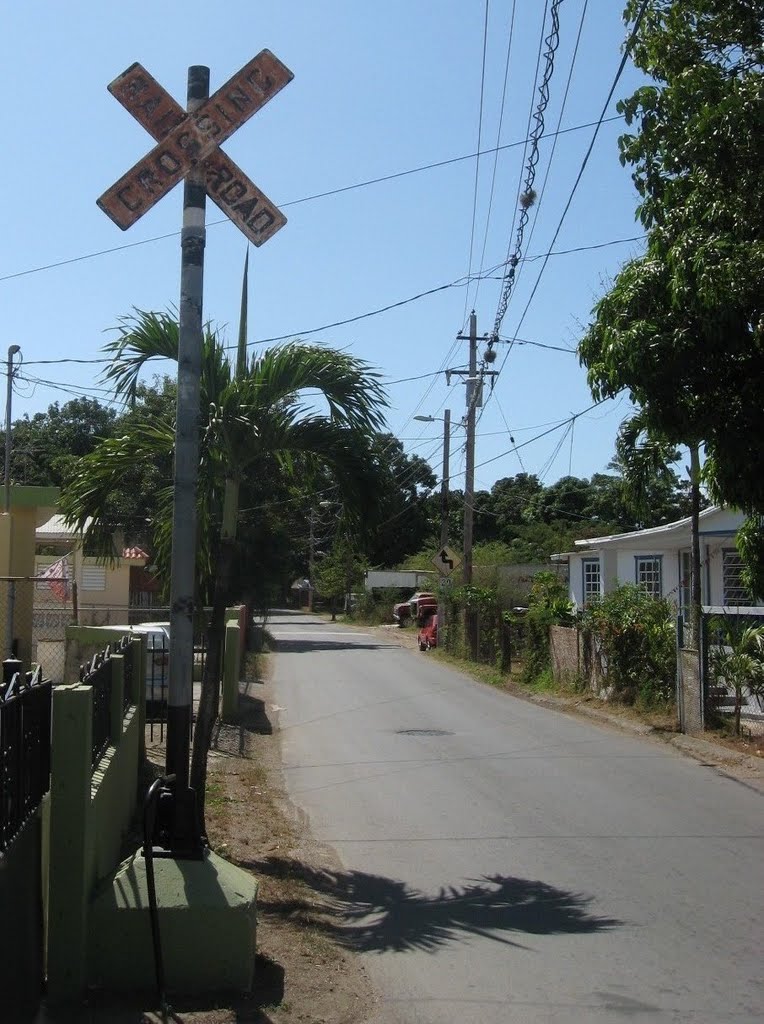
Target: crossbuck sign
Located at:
point(187, 142)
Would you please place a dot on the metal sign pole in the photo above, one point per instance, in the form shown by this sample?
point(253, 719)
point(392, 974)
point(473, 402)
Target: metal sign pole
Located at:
point(183, 570)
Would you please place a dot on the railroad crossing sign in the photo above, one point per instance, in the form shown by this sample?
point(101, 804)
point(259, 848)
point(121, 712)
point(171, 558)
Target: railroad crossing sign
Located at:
point(187, 142)
point(446, 561)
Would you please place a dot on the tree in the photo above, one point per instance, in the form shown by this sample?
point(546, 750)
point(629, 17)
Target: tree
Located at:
point(739, 664)
point(338, 572)
point(248, 419)
point(399, 523)
point(682, 327)
point(46, 446)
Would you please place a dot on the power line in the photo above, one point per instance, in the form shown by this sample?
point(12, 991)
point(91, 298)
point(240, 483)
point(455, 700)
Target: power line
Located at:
point(477, 159)
point(528, 196)
point(496, 154)
point(585, 161)
point(296, 202)
point(554, 135)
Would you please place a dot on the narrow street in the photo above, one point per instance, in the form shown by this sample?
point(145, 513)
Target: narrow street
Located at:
point(509, 863)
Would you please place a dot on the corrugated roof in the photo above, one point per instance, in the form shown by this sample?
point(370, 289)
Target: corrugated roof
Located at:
point(56, 529)
point(653, 531)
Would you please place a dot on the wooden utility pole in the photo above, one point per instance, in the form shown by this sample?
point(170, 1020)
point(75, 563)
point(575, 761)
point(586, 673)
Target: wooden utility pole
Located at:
point(445, 481)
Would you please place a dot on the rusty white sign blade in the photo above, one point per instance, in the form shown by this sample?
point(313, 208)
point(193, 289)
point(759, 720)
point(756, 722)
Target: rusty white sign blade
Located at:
point(226, 184)
point(241, 200)
point(186, 144)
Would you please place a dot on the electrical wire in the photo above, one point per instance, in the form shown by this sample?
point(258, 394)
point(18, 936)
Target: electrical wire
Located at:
point(294, 202)
point(528, 195)
point(477, 159)
point(600, 121)
point(495, 157)
point(555, 134)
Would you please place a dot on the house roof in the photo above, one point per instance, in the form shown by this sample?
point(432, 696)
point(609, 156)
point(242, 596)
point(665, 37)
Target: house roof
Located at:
point(134, 553)
point(57, 529)
point(654, 532)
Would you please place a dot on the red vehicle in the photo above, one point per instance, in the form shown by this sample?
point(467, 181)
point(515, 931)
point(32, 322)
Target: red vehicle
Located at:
point(427, 636)
point(415, 606)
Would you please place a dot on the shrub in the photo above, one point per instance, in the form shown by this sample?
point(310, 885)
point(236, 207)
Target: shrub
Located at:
point(634, 640)
point(548, 605)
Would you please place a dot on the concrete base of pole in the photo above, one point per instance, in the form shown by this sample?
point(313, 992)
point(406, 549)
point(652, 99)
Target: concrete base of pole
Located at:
point(207, 923)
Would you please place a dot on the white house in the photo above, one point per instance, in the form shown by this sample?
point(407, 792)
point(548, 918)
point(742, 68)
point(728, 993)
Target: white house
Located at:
point(658, 559)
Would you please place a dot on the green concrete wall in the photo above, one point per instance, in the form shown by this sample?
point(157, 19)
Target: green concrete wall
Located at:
point(89, 815)
point(21, 911)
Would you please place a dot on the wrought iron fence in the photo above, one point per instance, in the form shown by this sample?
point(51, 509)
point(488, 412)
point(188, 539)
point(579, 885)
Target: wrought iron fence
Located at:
point(98, 675)
point(123, 647)
point(25, 705)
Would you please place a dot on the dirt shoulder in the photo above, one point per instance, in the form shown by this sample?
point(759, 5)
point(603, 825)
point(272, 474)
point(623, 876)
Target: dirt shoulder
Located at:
point(304, 973)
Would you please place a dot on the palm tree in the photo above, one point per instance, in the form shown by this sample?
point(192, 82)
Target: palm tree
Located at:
point(298, 404)
point(739, 664)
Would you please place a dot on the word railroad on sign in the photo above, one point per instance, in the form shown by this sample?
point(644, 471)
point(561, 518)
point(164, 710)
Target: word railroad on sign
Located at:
point(191, 141)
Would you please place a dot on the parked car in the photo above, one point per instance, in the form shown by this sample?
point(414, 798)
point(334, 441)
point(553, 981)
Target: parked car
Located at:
point(410, 608)
point(157, 659)
point(427, 637)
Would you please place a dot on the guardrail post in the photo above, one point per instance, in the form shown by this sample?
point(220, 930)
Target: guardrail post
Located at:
point(70, 841)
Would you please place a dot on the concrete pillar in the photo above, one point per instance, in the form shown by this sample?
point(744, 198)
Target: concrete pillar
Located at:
point(231, 672)
point(70, 841)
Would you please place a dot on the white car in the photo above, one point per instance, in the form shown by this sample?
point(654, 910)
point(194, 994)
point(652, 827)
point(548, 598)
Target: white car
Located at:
point(157, 636)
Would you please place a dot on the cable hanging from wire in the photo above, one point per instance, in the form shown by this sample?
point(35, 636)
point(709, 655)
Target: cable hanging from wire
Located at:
point(528, 195)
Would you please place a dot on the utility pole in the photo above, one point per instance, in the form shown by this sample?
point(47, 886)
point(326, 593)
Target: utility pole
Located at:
point(12, 350)
point(186, 469)
point(311, 556)
point(10, 595)
point(444, 482)
point(473, 397)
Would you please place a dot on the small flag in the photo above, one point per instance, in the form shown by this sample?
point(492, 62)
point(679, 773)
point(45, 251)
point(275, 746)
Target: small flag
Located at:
point(57, 577)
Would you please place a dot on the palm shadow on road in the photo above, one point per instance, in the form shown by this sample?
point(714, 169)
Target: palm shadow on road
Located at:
point(372, 913)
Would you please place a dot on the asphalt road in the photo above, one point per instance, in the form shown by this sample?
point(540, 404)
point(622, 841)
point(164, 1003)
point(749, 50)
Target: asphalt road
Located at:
point(508, 863)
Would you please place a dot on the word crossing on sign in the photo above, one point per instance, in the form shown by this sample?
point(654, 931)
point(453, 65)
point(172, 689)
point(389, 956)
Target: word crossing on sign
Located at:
point(188, 141)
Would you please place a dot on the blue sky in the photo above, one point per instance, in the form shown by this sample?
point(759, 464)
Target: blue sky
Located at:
point(377, 90)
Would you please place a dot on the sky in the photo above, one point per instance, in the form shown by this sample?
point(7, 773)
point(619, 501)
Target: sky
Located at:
point(379, 91)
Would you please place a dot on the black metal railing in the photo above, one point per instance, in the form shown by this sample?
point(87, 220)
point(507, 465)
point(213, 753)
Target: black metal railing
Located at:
point(123, 648)
point(98, 674)
point(25, 703)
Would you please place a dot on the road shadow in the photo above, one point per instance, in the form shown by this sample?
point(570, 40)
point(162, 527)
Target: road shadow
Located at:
point(372, 913)
point(310, 646)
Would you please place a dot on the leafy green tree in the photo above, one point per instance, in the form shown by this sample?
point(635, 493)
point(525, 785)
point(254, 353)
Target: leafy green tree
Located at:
point(339, 573)
point(247, 418)
point(45, 447)
point(400, 521)
point(682, 328)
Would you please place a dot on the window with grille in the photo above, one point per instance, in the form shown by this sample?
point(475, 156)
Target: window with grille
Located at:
point(591, 568)
point(648, 574)
point(733, 590)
